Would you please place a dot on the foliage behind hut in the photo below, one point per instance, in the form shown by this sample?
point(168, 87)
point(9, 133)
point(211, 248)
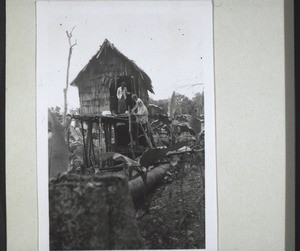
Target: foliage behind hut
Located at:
point(98, 81)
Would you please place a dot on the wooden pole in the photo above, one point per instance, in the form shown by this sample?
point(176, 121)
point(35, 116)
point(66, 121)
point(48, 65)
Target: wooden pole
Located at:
point(110, 144)
point(84, 145)
point(99, 127)
point(146, 137)
point(137, 136)
point(105, 138)
point(68, 138)
point(109, 137)
point(151, 133)
point(89, 139)
point(130, 133)
point(93, 150)
point(115, 137)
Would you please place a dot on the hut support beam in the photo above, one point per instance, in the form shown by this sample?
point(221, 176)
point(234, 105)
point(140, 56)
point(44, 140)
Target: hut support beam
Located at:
point(99, 127)
point(105, 138)
point(84, 145)
point(116, 138)
point(93, 150)
point(130, 134)
point(110, 142)
point(89, 142)
point(107, 146)
point(109, 137)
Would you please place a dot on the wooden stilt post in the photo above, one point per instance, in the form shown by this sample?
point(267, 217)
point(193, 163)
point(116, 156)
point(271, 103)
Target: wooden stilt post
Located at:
point(84, 145)
point(109, 144)
point(93, 150)
point(109, 137)
point(131, 142)
point(105, 137)
point(130, 133)
point(116, 139)
point(137, 137)
point(100, 131)
point(89, 143)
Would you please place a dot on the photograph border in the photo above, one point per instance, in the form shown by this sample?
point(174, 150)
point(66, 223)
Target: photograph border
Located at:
point(210, 156)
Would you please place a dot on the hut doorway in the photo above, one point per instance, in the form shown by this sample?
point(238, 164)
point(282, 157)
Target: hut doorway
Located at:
point(129, 84)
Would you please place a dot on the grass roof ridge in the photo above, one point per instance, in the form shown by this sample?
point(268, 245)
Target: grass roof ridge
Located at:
point(107, 44)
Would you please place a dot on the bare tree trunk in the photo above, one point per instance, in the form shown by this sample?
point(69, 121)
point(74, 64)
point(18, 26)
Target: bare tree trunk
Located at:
point(67, 77)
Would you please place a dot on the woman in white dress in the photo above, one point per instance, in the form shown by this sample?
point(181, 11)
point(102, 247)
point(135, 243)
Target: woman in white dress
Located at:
point(142, 111)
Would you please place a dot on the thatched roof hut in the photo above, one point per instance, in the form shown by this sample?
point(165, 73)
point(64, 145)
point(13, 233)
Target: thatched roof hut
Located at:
point(98, 81)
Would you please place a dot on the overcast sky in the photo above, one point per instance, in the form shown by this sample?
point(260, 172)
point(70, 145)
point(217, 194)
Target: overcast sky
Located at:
point(167, 39)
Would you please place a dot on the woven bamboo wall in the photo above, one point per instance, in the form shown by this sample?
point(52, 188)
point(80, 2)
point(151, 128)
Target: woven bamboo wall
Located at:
point(99, 76)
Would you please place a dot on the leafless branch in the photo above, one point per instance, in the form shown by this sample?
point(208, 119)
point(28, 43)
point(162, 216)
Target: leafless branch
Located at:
point(69, 35)
point(74, 44)
point(72, 30)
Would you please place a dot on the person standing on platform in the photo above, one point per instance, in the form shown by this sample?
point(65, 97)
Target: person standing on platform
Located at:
point(142, 111)
point(122, 97)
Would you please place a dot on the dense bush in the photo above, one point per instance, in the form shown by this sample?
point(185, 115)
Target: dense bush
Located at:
point(92, 212)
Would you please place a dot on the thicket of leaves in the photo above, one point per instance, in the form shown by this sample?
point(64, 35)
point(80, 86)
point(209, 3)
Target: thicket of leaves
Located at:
point(92, 213)
point(58, 152)
point(181, 128)
point(183, 104)
point(177, 218)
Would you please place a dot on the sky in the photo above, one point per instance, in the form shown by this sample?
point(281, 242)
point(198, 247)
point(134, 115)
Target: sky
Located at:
point(167, 39)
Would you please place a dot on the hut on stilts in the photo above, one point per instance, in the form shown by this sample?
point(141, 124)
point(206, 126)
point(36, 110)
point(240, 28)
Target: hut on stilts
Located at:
point(97, 85)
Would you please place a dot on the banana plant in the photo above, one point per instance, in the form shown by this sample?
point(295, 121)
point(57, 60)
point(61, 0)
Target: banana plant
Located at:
point(58, 151)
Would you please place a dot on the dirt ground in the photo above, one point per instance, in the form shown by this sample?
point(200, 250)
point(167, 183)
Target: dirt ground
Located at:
point(177, 210)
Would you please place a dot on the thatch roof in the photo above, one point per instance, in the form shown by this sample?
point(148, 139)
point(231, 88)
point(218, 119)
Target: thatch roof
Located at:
point(106, 49)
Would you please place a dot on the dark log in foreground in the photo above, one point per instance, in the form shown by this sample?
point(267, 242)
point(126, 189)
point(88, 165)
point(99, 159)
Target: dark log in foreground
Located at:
point(154, 177)
point(92, 212)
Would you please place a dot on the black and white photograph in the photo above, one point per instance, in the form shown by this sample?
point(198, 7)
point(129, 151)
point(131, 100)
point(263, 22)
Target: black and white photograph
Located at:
point(125, 125)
